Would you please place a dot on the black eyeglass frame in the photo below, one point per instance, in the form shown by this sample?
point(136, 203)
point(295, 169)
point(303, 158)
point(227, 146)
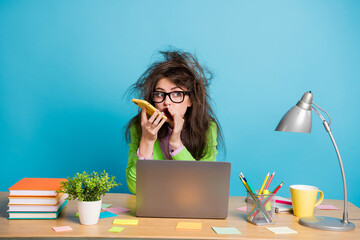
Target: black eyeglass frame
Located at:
point(184, 93)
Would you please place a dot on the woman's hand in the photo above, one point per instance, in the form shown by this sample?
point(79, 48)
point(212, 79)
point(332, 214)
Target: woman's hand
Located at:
point(150, 128)
point(175, 140)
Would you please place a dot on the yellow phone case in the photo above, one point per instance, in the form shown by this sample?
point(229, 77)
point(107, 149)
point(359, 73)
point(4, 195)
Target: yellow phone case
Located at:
point(150, 109)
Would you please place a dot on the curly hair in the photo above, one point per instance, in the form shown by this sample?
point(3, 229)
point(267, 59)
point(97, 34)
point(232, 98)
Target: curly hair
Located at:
point(184, 70)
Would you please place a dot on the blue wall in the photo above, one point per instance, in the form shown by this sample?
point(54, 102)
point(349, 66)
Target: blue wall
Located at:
point(65, 66)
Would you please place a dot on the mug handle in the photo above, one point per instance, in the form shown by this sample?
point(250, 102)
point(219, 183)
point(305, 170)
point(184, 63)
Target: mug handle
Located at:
point(321, 198)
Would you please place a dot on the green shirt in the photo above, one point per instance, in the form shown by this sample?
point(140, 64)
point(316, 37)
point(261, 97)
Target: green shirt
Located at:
point(184, 154)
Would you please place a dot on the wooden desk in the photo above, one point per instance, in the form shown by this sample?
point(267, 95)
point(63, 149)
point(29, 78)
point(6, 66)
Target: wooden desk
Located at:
point(165, 228)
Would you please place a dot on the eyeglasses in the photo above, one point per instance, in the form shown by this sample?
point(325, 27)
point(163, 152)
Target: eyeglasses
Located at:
point(175, 97)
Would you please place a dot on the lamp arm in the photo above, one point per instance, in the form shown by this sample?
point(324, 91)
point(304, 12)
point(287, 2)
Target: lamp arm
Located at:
point(327, 128)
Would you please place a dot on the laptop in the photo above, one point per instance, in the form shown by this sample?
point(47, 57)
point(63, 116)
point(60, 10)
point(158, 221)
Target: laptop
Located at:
point(182, 189)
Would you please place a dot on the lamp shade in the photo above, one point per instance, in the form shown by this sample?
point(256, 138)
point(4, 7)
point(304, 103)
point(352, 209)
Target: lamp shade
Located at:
point(298, 118)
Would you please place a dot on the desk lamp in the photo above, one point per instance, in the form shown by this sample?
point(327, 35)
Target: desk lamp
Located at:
point(298, 119)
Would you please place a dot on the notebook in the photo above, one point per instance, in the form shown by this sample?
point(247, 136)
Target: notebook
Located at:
point(182, 189)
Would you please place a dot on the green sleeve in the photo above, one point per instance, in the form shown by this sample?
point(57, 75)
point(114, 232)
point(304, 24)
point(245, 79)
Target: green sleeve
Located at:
point(211, 136)
point(131, 166)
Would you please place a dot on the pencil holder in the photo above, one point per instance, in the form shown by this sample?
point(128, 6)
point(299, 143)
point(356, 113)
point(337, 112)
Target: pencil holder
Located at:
point(260, 208)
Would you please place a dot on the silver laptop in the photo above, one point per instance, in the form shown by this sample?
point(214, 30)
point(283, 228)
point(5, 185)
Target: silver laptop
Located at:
point(182, 189)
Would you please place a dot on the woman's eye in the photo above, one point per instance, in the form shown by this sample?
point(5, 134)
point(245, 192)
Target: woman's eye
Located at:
point(159, 94)
point(176, 94)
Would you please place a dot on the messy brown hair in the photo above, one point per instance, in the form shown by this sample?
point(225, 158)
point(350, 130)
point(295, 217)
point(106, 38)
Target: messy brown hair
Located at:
point(184, 70)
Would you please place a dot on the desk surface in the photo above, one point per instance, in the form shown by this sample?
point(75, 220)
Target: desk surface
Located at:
point(165, 228)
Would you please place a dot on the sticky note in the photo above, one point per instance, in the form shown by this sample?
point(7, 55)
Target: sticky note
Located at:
point(226, 230)
point(104, 205)
point(117, 210)
point(116, 229)
point(189, 225)
point(281, 230)
point(327, 207)
point(243, 209)
point(77, 214)
point(107, 215)
point(125, 222)
point(62, 229)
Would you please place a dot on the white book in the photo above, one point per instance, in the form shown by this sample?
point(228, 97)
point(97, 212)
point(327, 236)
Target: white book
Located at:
point(38, 208)
point(283, 204)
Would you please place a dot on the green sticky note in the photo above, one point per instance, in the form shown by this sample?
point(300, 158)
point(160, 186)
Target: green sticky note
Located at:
point(116, 229)
point(77, 214)
point(226, 230)
point(104, 205)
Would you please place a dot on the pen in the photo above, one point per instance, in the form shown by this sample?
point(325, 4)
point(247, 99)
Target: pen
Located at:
point(268, 183)
point(248, 184)
point(263, 185)
point(242, 180)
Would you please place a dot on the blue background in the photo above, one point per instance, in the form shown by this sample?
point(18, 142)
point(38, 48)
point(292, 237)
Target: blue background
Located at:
point(65, 66)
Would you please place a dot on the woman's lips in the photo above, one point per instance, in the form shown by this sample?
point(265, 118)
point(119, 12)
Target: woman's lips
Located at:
point(167, 113)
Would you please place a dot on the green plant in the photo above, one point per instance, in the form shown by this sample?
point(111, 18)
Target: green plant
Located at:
point(88, 186)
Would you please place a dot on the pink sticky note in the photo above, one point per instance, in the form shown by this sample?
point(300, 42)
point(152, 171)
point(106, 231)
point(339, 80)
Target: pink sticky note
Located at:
point(62, 229)
point(327, 207)
point(243, 209)
point(117, 210)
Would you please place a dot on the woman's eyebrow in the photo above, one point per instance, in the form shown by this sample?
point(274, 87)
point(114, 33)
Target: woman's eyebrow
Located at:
point(176, 88)
point(159, 88)
point(173, 88)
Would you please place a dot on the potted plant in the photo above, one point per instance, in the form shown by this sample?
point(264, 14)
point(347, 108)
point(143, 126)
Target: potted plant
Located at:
point(88, 188)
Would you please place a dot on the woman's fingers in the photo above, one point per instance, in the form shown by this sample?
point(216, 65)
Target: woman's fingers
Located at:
point(163, 120)
point(153, 117)
point(144, 118)
point(158, 119)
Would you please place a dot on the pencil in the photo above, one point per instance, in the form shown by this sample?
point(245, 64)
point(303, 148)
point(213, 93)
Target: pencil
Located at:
point(263, 185)
point(268, 183)
point(277, 188)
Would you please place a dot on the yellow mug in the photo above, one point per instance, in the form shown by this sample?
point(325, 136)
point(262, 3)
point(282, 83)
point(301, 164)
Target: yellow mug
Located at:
point(303, 199)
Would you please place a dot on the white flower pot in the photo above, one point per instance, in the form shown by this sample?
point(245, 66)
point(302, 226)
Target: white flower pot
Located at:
point(89, 212)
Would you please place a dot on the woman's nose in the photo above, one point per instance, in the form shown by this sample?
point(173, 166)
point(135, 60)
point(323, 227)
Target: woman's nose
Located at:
point(167, 100)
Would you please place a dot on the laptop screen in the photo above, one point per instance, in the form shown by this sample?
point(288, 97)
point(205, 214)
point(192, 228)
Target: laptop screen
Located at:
point(182, 189)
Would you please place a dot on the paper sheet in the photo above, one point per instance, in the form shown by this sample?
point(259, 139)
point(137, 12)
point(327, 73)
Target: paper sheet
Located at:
point(281, 230)
point(117, 210)
point(107, 215)
point(243, 209)
point(189, 225)
point(125, 222)
point(327, 207)
point(104, 205)
point(226, 230)
point(62, 229)
point(116, 229)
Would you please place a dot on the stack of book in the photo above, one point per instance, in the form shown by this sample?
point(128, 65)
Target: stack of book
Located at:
point(36, 198)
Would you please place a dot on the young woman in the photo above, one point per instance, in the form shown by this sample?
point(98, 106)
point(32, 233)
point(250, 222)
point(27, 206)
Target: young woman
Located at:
point(177, 87)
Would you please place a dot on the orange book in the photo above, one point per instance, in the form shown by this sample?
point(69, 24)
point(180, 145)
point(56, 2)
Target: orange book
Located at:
point(36, 187)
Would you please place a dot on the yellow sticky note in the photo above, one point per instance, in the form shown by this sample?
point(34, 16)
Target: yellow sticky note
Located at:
point(125, 222)
point(189, 225)
point(116, 229)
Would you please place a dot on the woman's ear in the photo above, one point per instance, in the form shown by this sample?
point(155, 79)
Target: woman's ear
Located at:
point(189, 104)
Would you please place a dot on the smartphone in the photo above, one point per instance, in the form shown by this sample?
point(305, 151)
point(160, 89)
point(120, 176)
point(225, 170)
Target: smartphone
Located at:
point(150, 109)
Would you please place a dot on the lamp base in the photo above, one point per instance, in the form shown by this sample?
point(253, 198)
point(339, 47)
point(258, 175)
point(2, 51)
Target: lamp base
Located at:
point(326, 223)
